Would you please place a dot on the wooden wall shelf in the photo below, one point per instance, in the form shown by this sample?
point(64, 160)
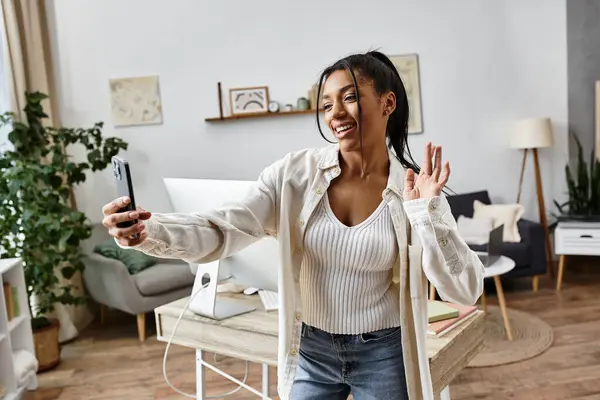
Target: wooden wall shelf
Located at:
point(261, 115)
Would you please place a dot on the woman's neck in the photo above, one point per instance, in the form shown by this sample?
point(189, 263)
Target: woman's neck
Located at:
point(369, 162)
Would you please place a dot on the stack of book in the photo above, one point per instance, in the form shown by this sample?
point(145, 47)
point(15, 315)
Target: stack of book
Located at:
point(444, 316)
point(11, 300)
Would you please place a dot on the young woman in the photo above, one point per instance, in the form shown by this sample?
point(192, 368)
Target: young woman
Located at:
point(353, 274)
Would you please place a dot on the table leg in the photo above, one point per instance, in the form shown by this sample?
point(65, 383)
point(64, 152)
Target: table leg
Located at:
point(483, 301)
point(561, 271)
point(502, 302)
point(535, 283)
point(199, 375)
point(265, 380)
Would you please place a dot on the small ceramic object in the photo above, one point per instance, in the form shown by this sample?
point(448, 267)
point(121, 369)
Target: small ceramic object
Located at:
point(302, 104)
point(288, 107)
point(273, 106)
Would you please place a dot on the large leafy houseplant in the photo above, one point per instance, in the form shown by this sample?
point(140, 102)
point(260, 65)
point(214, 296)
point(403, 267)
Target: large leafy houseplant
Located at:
point(583, 189)
point(37, 222)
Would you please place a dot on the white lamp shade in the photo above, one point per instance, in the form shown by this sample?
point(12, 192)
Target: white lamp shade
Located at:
point(532, 133)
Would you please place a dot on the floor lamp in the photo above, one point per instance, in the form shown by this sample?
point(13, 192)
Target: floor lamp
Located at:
point(533, 134)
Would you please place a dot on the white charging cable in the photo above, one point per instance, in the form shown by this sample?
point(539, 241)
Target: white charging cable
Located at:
point(207, 365)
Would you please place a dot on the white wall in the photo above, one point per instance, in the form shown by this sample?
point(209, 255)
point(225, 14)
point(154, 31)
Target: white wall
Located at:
point(483, 64)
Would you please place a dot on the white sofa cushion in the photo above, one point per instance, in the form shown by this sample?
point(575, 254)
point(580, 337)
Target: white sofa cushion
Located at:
point(475, 230)
point(507, 214)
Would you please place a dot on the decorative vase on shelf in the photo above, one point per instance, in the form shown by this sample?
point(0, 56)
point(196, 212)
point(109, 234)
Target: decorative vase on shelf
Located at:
point(302, 104)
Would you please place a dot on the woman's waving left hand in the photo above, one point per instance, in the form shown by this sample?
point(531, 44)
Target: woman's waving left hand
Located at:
point(430, 181)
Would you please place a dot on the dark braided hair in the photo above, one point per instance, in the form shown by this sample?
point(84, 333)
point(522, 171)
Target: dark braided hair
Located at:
point(380, 69)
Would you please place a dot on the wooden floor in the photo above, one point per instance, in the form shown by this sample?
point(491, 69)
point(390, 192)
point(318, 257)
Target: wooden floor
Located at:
point(109, 363)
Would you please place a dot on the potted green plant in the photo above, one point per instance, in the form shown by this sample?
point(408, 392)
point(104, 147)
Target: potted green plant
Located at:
point(37, 222)
point(583, 203)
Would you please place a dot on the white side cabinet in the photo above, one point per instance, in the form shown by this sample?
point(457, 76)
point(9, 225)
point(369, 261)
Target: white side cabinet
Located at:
point(16, 333)
point(575, 238)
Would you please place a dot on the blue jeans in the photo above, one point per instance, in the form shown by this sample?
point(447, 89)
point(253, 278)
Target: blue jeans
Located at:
point(369, 365)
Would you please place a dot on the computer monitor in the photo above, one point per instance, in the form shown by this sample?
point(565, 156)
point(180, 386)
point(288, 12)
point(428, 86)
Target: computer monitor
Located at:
point(255, 266)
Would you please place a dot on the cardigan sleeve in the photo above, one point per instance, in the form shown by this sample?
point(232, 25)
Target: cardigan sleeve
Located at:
point(219, 233)
point(450, 265)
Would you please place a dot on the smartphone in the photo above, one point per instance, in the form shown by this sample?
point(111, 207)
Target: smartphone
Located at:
point(122, 174)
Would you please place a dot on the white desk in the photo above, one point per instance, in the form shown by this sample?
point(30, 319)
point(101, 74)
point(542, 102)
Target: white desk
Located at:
point(253, 337)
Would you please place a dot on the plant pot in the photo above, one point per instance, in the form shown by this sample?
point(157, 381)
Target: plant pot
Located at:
point(47, 346)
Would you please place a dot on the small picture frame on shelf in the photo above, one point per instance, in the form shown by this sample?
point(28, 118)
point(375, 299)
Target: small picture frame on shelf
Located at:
point(249, 100)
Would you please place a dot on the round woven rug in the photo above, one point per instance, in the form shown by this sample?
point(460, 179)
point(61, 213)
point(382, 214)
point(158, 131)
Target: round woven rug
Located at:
point(531, 337)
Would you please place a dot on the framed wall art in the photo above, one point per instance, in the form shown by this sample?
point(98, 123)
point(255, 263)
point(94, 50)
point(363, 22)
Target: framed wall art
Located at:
point(249, 100)
point(408, 67)
point(135, 101)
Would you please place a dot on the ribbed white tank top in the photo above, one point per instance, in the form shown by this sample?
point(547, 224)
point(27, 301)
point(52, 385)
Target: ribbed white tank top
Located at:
point(346, 276)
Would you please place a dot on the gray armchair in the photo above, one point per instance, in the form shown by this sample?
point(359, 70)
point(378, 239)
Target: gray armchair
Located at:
point(110, 284)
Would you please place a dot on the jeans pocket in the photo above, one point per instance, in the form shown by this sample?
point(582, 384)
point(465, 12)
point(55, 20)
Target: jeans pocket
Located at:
point(305, 330)
point(381, 335)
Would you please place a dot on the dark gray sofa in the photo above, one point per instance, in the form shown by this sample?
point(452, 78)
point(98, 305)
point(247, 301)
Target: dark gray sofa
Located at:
point(529, 255)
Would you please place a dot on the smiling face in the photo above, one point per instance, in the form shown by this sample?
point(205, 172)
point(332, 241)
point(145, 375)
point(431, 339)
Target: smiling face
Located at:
point(341, 110)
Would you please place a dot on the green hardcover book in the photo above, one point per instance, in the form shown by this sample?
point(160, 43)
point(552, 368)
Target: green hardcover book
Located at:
point(16, 305)
point(439, 311)
point(8, 300)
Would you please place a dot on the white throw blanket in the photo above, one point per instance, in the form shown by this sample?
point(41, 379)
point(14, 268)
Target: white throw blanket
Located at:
point(24, 363)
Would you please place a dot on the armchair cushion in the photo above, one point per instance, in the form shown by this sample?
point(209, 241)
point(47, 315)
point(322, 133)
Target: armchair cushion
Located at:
point(475, 230)
point(163, 277)
point(135, 261)
point(502, 214)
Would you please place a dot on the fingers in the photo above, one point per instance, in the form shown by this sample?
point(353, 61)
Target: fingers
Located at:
point(427, 160)
point(437, 166)
point(409, 181)
point(131, 241)
point(143, 214)
point(127, 233)
point(112, 220)
point(115, 205)
point(445, 174)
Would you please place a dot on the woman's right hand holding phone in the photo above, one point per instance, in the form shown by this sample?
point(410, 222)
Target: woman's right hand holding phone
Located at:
point(112, 217)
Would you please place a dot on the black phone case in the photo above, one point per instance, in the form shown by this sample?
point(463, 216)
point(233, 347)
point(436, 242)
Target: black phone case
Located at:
point(124, 184)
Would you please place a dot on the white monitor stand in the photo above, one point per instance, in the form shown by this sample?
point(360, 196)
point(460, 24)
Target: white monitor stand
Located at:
point(206, 303)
